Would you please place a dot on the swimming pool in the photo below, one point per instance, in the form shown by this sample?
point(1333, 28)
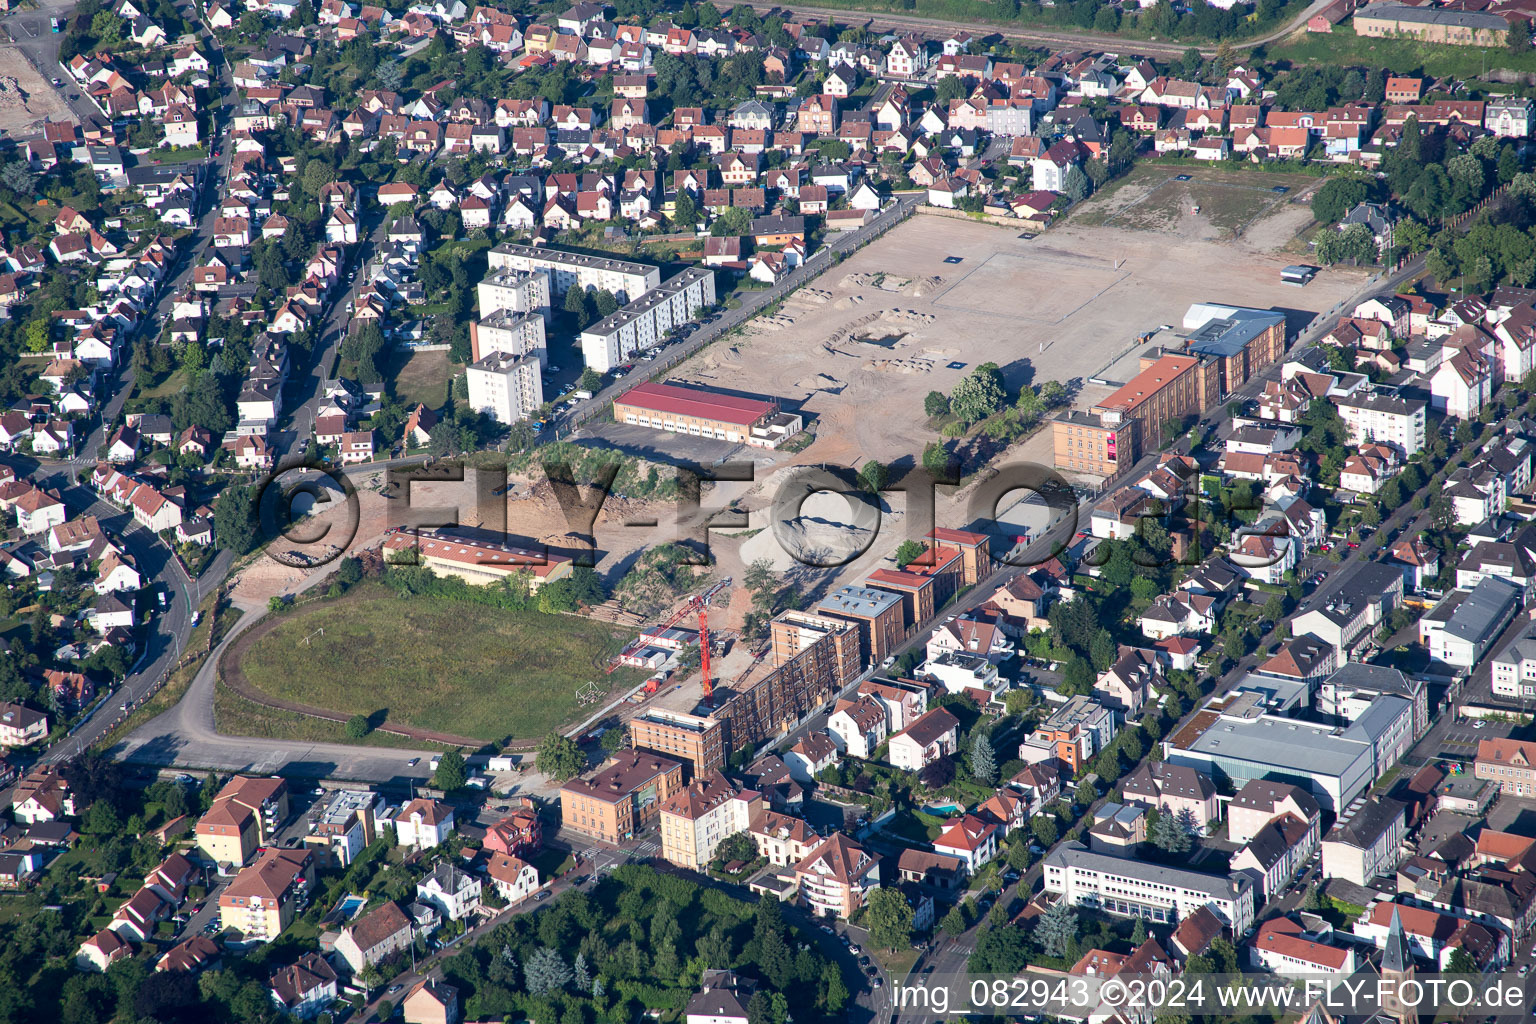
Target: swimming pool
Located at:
point(942, 810)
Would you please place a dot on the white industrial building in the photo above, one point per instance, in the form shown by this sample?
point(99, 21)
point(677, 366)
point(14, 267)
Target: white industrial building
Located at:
point(1138, 888)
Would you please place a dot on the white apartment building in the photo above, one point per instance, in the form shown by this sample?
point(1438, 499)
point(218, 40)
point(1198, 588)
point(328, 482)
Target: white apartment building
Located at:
point(1377, 415)
point(646, 320)
point(1368, 843)
point(504, 386)
point(626, 280)
point(521, 334)
point(1137, 888)
point(521, 291)
point(696, 820)
point(1514, 668)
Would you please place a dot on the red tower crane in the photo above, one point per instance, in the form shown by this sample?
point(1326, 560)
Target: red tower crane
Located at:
point(698, 603)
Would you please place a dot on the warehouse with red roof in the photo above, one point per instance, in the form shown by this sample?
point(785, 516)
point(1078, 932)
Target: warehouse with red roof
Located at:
point(700, 412)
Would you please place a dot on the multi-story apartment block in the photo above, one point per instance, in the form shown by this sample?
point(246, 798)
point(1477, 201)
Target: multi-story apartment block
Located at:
point(261, 901)
point(647, 318)
point(505, 386)
point(1073, 734)
point(837, 877)
point(626, 280)
point(506, 330)
point(245, 815)
point(696, 740)
point(792, 632)
point(622, 798)
point(515, 291)
point(1375, 414)
point(696, 819)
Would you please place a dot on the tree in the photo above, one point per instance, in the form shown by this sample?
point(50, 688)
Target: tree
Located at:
point(234, 519)
point(358, 727)
point(938, 461)
point(1169, 835)
point(590, 380)
point(909, 551)
point(1337, 197)
point(1518, 38)
point(19, 179)
point(979, 394)
point(1461, 961)
point(614, 739)
point(874, 475)
point(1075, 184)
point(938, 773)
point(1018, 700)
point(983, 760)
point(1043, 827)
point(889, 918)
point(451, 773)
point(936, 404)
point(953, 922)
point(1057, 928)
point(684, 213)
point(546, 971)
point(559, 757)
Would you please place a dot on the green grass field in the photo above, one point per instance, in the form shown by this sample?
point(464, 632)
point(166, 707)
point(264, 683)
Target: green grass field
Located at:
point(437, 663)
point(1403, 56)
point(422, 377)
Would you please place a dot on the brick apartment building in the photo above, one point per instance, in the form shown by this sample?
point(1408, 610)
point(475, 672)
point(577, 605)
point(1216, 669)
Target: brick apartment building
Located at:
point(622, 798)
point(695, 740)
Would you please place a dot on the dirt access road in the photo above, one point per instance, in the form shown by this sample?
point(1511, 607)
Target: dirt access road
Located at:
point(938, 27)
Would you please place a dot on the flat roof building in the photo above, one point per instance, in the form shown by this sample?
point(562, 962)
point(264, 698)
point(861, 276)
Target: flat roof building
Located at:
point(627, 280)
point(505, 386)
point(877, 613)
point(696, 740)
point(646, 319)
point(1137, 888)
point(701, 413)
point(1238, 741)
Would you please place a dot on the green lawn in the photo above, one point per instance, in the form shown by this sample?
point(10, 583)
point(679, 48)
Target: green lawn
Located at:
point(236, 716)
point(1402, 56)
point(437, 663)
point(174, 383)
point(422, 377)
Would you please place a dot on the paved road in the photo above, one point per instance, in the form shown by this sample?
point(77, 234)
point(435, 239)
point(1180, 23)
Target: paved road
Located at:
point(185, 737)
point(166, 638)
point(1097, 41)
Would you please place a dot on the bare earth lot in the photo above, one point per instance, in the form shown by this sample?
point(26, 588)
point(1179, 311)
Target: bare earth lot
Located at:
point(1247, 209)
point(860, 348)
point(25, 98)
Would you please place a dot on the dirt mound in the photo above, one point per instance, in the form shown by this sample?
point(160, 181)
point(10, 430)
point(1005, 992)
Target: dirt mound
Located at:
point(925, 286)
point(819, 382)
point(900, 365)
